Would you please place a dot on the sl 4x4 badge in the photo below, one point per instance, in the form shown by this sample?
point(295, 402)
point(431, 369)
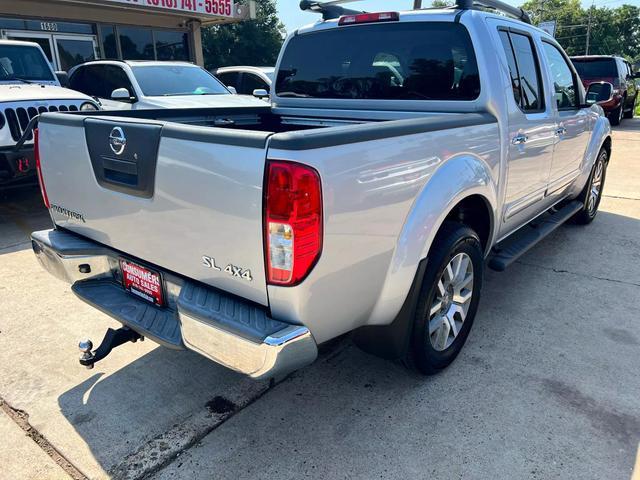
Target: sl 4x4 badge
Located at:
point(233, 270)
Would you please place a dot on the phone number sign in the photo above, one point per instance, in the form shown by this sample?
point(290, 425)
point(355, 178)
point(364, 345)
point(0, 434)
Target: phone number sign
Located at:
point(218, 8)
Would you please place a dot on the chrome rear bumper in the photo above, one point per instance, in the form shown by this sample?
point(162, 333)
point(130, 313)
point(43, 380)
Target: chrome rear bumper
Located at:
point(221, 327)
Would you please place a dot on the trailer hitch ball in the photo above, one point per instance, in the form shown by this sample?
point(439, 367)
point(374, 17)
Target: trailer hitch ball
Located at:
point(86, 356)
point(112, 339)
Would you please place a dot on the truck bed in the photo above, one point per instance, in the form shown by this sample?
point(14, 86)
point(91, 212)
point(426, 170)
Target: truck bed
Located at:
point(190, 182)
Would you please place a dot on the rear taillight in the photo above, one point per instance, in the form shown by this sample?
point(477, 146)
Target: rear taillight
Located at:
point(369, 18)
point(292, 221)
point(36, 150)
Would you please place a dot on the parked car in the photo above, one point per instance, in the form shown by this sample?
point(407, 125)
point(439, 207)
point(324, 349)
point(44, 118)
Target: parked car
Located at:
point(135, 85)
point(618, 72)
point(400, 150)
point(28, 87)
point(247, 80)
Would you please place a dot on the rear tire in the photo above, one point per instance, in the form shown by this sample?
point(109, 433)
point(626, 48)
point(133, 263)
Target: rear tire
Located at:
point(615, 117)
point(632, 112)
point(448, 300)
point(592, 193)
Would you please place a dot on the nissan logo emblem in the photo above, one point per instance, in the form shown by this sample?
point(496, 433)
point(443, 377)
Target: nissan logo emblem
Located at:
point(117, 141)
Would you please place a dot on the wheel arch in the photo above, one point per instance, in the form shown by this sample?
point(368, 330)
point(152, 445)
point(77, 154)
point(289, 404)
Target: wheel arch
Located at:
point(464, 189)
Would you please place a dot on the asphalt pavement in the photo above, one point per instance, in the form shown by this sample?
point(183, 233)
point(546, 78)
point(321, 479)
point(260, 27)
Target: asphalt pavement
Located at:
point(548, 385)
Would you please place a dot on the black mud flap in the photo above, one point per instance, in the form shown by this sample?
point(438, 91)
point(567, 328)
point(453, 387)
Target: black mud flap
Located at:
point(392, 341)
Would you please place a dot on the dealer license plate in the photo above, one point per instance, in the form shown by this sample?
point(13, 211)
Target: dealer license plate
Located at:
point(142, 282)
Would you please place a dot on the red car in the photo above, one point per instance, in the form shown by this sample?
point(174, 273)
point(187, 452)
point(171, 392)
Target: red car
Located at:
point(618, 72)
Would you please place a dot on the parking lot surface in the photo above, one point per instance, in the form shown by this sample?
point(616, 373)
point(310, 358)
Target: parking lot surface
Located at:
point(548, 385)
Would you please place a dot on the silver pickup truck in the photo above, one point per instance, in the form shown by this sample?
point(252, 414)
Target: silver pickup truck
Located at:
point(402, 152)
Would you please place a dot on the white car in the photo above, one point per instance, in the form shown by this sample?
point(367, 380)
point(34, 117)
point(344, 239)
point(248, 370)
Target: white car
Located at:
point(28, 88)
point(136, 85)
point(247, 80)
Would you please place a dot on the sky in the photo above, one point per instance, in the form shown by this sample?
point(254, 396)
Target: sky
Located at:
point(291, 15)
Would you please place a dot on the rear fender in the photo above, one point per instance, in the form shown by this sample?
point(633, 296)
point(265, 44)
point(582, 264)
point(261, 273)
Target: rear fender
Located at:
point(457, 179)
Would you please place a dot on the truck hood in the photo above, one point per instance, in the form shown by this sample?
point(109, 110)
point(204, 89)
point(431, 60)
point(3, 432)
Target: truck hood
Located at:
point(22, 92)
point(204, 101)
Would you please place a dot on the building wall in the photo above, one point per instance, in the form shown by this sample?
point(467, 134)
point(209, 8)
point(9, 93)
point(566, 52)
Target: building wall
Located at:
point(68, 10)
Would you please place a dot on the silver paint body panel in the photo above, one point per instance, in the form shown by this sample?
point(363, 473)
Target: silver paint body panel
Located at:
point(384, 199)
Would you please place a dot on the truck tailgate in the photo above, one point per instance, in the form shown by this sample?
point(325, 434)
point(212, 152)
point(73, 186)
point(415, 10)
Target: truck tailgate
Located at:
point(174, 194)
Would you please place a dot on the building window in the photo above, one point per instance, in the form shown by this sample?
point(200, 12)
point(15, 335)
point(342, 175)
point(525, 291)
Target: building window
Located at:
point(109, 44)
point(136, 43)
point(171, 45)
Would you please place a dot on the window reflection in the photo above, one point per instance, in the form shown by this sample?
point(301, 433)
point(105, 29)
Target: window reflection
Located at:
point(108, 33)
point(171, 45)
point(136, 43)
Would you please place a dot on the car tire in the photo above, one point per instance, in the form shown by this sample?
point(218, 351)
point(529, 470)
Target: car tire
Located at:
point(615, 117)
point(592, 193)
point(451, 285)
point(632, 112)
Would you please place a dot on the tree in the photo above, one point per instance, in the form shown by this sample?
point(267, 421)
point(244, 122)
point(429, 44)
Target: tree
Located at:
point(611, 31)
point(252, 42)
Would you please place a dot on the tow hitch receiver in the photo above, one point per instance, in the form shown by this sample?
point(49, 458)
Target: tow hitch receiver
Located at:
point(112, 339)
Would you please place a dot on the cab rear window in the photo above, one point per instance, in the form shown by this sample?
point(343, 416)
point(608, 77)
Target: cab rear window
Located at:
point(391, 61)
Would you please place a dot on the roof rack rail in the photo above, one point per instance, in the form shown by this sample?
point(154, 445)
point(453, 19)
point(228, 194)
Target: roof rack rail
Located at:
point(503, 7)
point(330, 9)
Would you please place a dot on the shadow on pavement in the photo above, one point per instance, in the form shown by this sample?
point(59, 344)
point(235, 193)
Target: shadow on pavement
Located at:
point(21, 212)
point(529, 387)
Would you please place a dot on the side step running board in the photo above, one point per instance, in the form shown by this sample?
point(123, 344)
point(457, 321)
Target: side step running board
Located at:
point(514, 246)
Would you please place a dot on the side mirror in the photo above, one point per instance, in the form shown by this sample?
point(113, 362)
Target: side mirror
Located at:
point(599, 92)
point(260, 93)
point(635, 75)
point(232, 89)
point(63, 78)
point(122, 95)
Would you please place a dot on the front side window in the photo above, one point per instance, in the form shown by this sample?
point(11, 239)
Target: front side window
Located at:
point(230, 79)
point(23, 62)
point(251, 82)
point(564, 84)
point(166, 81)
point(390, 61)
point(115, 77)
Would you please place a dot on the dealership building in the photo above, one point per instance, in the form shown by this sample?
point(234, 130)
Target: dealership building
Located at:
point(75, 31)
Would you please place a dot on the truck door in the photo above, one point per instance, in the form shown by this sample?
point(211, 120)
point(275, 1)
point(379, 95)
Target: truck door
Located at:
point(572, 131)
point(531, 128)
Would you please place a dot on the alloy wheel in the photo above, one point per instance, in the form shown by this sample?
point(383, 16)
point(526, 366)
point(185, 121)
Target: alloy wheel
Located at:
point(596, 187)
point(451, 302)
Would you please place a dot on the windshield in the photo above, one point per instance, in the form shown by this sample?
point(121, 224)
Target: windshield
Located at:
point(595, 68)
point(23, 62)
point(390, 61)
point(165, 81)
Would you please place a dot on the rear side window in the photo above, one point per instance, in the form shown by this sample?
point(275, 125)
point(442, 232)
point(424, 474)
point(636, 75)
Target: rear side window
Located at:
point(524, 70)
point(391, 61)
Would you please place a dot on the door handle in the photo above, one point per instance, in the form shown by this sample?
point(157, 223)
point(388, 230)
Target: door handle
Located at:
point(519, 139)
point(561, 131)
